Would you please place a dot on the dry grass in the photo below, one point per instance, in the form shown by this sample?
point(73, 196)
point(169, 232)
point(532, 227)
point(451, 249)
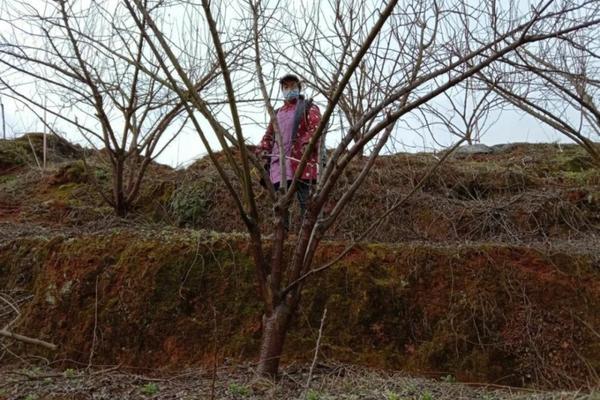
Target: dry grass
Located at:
point(328, 382)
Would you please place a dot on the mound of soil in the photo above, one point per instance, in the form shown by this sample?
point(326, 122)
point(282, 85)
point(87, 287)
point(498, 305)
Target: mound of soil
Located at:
point(517, 193)
point(24, 151)
point(521, 192)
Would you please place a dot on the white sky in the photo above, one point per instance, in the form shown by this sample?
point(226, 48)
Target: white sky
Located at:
point(510, 126)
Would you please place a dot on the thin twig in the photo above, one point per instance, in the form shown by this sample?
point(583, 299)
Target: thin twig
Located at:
point(314, 361)
point(213, 379)
point(34, 153)
point(95, 325)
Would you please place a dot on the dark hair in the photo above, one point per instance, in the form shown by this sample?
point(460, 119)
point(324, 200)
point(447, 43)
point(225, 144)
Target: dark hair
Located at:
point(290, 77)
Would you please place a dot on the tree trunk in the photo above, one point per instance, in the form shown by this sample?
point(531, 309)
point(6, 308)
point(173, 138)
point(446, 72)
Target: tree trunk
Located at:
point(469, 137)
point(275, 328)
point(121, 206)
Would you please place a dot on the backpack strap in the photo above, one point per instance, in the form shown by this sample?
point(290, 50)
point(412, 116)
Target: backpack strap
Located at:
point(301, 111)
point(297, 115)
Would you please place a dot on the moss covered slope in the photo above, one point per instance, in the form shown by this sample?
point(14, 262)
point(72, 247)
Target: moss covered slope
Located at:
point(170, 298)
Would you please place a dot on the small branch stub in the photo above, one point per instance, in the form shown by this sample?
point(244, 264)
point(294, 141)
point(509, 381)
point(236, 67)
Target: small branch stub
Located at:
point(26, 339)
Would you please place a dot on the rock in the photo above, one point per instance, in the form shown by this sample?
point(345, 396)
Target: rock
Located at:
point(50, 297)
point(508, 147)
point(464, 151)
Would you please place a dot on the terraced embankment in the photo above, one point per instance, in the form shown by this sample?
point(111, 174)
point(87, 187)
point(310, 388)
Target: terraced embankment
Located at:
point(489, 273)
point(509, 314)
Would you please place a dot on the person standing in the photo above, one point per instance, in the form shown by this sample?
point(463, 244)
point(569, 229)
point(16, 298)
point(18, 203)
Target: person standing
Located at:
point(297, 120)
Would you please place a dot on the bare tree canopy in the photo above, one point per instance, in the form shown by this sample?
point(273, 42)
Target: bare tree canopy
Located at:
point(466, 111)
point(556, 81)
point(88, 65)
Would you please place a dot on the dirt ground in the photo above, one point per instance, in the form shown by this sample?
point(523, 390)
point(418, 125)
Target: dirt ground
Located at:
point(331, 381)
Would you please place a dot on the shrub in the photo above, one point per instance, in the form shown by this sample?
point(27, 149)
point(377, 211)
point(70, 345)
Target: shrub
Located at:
point(191, 202)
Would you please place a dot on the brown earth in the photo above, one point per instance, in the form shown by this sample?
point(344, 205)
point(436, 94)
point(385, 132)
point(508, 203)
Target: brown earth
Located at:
point(489, 274)
point(523, 193)
point(508, 314)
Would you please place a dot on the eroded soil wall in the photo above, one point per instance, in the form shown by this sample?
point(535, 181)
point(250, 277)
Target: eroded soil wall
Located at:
point(172, 298)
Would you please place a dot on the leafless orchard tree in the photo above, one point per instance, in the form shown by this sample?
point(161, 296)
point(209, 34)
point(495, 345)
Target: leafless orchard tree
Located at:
point(465, 111)
point(323, 45)
point(406, 53)
point(558, 82)
point(88, 66)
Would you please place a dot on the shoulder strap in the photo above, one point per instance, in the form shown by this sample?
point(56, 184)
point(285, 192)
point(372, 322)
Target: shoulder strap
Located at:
point(300, 107)
point(301, 111)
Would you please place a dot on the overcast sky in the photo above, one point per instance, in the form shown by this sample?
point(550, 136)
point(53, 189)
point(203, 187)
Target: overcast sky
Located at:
point(509, 126)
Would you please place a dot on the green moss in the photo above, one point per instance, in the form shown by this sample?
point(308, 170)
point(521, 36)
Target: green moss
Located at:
point(22, 259)
point(578, 163)
point(74, 172)
point(65, 192)
point(9, 182)
point(569, 161)
point(14, 154)
point(154, 199)
point(587, 177)
point(160, 295)
point(192, 201)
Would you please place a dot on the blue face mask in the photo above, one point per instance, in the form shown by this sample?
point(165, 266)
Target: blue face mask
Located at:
point(292, 94)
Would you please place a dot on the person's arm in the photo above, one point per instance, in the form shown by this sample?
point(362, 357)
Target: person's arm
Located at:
point(266, 144)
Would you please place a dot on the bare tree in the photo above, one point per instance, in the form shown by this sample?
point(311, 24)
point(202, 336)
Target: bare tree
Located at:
point(465, 111)
point(414, 59)
point(558, 82)
point(90, 68)
point(324, 50)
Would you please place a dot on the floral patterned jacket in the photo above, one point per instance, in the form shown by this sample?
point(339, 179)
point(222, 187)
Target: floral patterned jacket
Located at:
point(308, 125)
